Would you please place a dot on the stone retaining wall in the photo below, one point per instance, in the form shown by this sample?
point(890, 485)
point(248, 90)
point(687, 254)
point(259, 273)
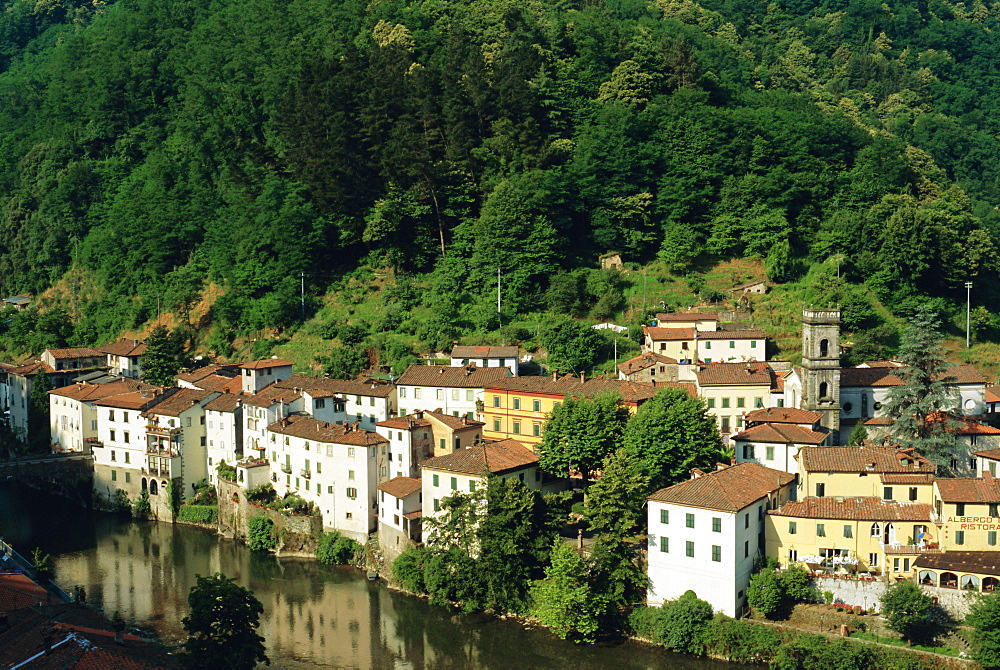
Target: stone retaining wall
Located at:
point(852, 591)
point(297, 535)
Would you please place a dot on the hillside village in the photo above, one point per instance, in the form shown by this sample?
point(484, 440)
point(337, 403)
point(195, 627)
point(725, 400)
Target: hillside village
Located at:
point(376, 457)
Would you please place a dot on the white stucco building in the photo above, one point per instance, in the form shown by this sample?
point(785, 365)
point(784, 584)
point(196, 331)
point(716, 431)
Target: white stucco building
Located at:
point(706, 533)
point(485, 357)
point(454, 391)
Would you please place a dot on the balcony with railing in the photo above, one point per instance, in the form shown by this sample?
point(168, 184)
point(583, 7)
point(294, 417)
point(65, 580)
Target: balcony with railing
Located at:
point(153, 428)
point(897, 549)
point(287, 469)
point(306, 473)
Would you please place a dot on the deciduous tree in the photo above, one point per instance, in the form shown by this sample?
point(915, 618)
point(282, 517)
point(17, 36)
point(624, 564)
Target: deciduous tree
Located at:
point(580, 434)
point(222, 625)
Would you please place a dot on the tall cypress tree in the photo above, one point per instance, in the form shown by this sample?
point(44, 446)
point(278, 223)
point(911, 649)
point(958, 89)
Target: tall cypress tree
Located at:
point(924, 408)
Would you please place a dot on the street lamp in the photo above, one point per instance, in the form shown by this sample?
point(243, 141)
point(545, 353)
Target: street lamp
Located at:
point(968, 303)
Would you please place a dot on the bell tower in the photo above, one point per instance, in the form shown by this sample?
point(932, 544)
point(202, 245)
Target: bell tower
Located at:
point(821, 367)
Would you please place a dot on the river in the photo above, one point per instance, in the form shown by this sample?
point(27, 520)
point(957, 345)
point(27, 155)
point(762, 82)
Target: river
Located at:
point(315, 616)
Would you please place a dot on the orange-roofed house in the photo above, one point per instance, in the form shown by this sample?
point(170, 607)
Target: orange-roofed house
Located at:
point(258, 374)
point(336, 467)
point(73, 414)
point(486, 357)
point(706, 533)
point(364, 400)
point(418, 436)
point(869, 470)
point(124, 357)
point(732, 389)
point(457, 391)
point(399, 512)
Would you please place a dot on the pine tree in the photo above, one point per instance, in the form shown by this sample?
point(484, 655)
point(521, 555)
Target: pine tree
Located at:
point(39, 435)
point(161, 362)
point(924, 407)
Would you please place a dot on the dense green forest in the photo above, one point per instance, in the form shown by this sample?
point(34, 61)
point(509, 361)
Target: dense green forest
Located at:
point(149, 147)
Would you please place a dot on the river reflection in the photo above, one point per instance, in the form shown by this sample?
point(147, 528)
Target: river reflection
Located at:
point(314, 615)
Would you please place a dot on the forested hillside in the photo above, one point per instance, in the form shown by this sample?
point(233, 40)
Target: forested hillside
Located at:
point(148, 147)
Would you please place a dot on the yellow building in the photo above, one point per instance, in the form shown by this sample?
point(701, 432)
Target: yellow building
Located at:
point(866, 471)
point(730, 390)
point(877, 536)
point(969, 511)
point(517, 407)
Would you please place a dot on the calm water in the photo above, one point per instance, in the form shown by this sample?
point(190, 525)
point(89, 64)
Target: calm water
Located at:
point(314, 615)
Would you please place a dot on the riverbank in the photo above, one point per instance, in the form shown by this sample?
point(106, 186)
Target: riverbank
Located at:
point(315, 616)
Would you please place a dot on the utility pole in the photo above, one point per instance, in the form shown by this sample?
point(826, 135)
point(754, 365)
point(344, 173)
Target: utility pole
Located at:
point(498, 297)
point(968, 311)
point(302, 293)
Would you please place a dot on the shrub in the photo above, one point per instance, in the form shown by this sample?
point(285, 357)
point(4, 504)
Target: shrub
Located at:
point(408, 569)
point(764, 593)
point(262, 494)
point(120, 502)
point(225, 471)
point(907, 609)
point(335, 549)
point(141, 506)
point(198, 513)
point(682, 624)
point(260, 533)
point(642, 621)
point(741, 641)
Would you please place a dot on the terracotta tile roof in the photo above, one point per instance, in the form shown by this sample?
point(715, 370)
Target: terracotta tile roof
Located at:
point(497, 457)
point(686, 317)
point(17, 591)
point(906, 478)
point(140, 400)
point(658, 334)
point(413, 515)
point(455, 422)
point(271, 395)
point(752, 373)
point(643, 361)
point(231, 370)
point(178, 402)
point(468, 376)
point(879, 421)
point(124, 348)
point(323, 387)
point(400, 487)
point(568, 385)
point(963, 426)
point(745, 334)
point(989, 453)
point(31, 368)
point(484, 352)
point(730, 489)
point(867, 458)
point(219, 383)
point(884, 376)
point(879, 364)
point(854, 509)
point(74, 352)
point(991, 394)
point(89, 392)
point(227, 402)
point(781, 433)
point(970, 489)
point(266, 363)
point(980, 562)
point(308, 428)
point(408, 422)
point(783, 415)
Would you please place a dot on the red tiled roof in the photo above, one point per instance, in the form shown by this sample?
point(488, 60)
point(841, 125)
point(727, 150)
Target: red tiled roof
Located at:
point(970, 489)
point(751, 373)
point(884, 376)
point(266, 363)
point(323, 387)
point(84, 392)
point(124, 348)
point(496, 457)
point(730, 489)
point(484, 352)
point(963, 426)
point(687, 317)
point(178, 403)
point(868, 458)
point(227, 402)
point(468, 376)
point(906, 478)
point(568, 385)
point(74, 352)
point(643, 361)
point(408, 422)
point(989, 453)
point(400, 487)
point(308, 428)
point(745, 334)
point(991, 394)
point(658, 334)
point(854, 509)
point(271, 395)
point(17, 591)
point(31, 368)
point(140, 400)
point(783, 415)
point(231, 370)
point(979, 562)
point(781, 433)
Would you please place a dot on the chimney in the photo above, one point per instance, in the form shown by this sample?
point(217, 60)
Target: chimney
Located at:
point(583, 377)
point(555, 374)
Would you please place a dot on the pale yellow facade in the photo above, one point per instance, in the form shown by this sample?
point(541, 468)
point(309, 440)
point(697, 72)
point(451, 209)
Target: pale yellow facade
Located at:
point(968, 526)
point(788, 538)
point(864, 484)
point(729, 402)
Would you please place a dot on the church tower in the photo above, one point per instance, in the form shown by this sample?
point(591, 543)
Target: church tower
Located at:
point(821, 367)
